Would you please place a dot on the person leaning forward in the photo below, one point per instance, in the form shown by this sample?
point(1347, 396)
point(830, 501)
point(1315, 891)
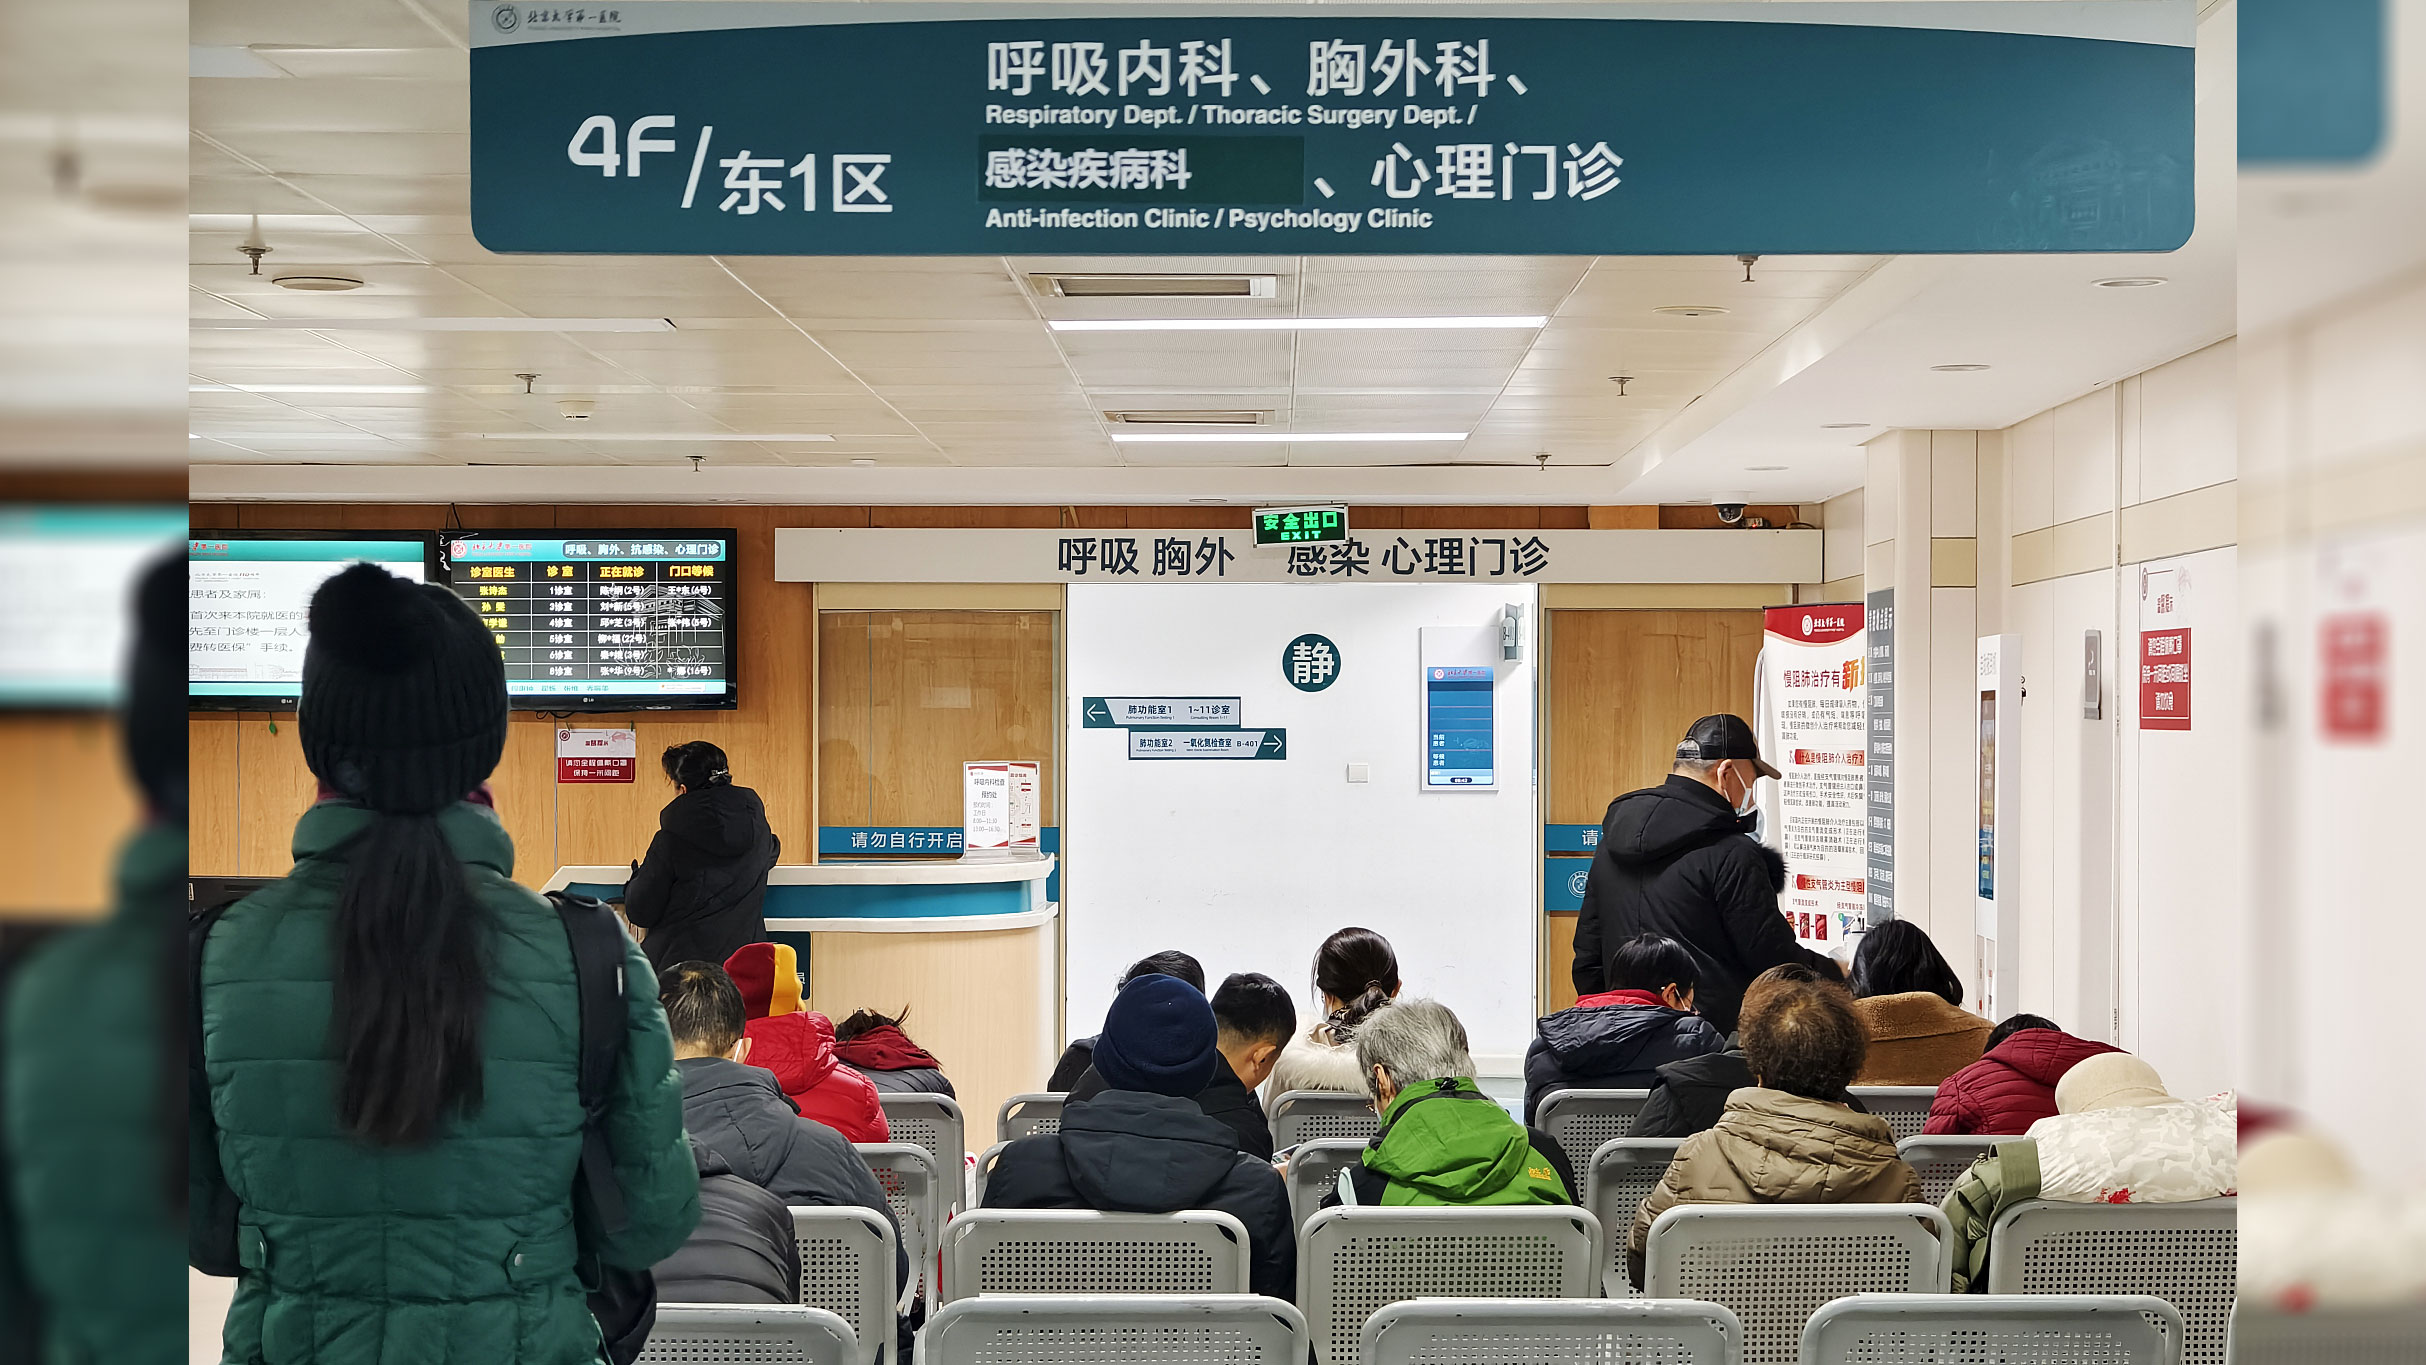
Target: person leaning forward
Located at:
point(1678, 860)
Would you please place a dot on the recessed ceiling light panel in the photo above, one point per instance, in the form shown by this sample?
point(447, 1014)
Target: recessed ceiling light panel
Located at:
point(317, 283)
point(1691, 310)
point(1958, 369)
point(1842, 426)
point(1282, 437)
point(1421, 324)
point(2130, 282)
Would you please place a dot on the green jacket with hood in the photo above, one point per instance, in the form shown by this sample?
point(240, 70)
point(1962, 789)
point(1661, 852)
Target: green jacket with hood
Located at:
point(1446, 1143)
point(86, 1145)
point(1996, 1182)
point(458, 1251)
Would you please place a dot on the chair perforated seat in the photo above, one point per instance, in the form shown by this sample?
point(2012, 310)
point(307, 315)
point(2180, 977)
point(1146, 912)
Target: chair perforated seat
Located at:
point(1579, 1121)
point(846, 1268)
point(1989, 1329)
point(1941, 1161)
point(1066, 1251)
point(1029, 1115)
point(1352, 1261)
point(727, 1334)
point(932, 1123)
point(1616, 1180)
point(2387, 1335)
point(2186, 1254)
point(1904, 1107)
point(1114, 1329)
point(1550, 1332)
point(1313, 1170)
point(1775, 1264)
point(915, 1194)
point(1311, 1115)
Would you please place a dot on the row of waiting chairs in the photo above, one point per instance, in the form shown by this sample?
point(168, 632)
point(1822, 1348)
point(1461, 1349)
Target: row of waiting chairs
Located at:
point(1243, 1329)
point(1772, 1265)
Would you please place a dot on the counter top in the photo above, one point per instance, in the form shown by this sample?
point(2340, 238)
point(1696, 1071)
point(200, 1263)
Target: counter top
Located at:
point(901, 896)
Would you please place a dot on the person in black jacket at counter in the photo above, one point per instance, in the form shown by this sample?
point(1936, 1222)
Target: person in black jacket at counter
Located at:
point(700, 892)
point(1679, 860)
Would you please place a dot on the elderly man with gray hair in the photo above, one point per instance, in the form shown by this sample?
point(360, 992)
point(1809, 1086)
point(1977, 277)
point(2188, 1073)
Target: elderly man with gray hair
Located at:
point(1442, 1141)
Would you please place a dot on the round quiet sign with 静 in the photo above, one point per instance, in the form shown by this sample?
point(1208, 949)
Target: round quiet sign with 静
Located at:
point(1310, 663)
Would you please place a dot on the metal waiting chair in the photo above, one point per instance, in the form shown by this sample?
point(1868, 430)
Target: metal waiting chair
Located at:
point(1353, 1261)
point(913, 1190)
point(1616, 1179)
point(1310, 1115)
point(1078, 1251)
point(1029, 1116)
point(715, 1333)
point(1904, 1107)
point(1059, 1329)
point(1942, 1161)
point(1775, 1264)
point(2010, 1329)
point(932, 1122)
point(846, 1268)
point(1532, 1331)
point(1581, 1120)
point(2186, 1254)
point(2388, 1334)
point(982, 1170)
point(1314, 1168)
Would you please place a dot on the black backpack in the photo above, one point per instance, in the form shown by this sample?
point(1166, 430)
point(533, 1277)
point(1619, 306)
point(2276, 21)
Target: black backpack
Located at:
point(623, 1301)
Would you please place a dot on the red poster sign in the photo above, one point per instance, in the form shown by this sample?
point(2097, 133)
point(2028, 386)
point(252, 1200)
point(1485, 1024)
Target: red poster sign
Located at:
point(2165, 679)
point(597, 755)
point(2350, 682)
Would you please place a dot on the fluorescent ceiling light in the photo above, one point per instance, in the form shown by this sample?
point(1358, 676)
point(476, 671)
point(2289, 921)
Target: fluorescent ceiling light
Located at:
point(636, 436)
point(1440, 324)
point(308, 388)
point(1282, 437)
point(434, 324)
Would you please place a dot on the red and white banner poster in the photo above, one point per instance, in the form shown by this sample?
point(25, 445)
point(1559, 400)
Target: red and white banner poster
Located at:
point(2354, 644)
point(1814, 725)
point(2164, 648)
point(597, 755)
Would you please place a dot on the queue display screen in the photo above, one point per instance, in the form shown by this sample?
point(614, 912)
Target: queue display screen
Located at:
point(604, 621)
point(248, 605)
point(66, 623)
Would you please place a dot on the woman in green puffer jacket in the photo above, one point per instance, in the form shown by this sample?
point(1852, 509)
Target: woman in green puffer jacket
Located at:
point(390, 1036)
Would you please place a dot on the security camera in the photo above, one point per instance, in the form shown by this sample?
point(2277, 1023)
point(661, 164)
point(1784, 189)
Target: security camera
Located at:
point(1731, 513)
point(576, 409)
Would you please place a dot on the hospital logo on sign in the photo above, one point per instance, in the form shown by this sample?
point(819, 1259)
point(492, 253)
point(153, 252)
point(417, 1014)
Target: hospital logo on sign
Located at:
point(1577, 881)
point(1310, 663)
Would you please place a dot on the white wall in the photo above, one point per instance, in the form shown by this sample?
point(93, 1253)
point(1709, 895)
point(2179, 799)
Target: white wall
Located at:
point(1250, 864)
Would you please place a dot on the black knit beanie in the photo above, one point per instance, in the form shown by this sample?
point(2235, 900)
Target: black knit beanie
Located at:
point(404, 702)
point(155, 687)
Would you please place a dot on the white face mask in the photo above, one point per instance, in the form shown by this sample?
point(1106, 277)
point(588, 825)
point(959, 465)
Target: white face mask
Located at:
point(1748, 804)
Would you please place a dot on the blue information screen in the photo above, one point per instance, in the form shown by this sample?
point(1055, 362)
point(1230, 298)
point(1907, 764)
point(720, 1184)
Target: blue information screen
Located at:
point(1457, 726)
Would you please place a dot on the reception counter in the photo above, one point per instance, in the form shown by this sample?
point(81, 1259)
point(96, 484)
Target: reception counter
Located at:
point(967, 945)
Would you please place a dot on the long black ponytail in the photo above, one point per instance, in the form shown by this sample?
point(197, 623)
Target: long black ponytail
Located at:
point(412, 984)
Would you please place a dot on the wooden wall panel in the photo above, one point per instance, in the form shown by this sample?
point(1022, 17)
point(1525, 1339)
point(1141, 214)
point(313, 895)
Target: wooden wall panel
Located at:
point(274, 789)
point(67, 805)
point(978, 1001)
point(524, 788)
point(214, 825)
point(910, 696)
point(1623, 686)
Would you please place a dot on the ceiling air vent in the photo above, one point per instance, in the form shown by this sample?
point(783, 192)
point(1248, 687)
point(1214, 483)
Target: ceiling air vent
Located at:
point(1190, 417)
point(1065, 286)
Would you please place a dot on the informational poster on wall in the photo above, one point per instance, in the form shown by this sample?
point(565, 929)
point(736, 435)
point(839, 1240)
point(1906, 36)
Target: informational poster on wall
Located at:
point(1814, 723)
point(999, 808)
point(2165, 612)
point(1878, 679)
point(597, 755)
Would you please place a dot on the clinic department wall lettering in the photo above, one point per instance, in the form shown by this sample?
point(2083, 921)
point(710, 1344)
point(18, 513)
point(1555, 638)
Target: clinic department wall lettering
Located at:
point(932, 555)
point(827, 128)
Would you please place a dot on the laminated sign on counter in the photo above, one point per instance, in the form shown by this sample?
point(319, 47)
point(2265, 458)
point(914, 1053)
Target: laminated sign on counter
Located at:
point(1814, 723)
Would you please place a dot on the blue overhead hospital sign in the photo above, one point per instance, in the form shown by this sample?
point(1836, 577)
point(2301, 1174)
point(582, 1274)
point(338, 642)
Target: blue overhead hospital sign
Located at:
point(895, 129)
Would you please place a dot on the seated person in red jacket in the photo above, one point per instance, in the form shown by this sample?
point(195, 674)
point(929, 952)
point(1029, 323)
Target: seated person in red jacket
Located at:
point(2012, 1085)
point(798, 1045)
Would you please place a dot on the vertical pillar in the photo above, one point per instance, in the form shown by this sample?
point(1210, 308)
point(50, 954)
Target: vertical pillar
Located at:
point(1921, 525)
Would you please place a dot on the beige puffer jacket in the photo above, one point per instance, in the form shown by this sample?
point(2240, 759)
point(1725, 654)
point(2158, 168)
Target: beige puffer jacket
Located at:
point(1774, 1148)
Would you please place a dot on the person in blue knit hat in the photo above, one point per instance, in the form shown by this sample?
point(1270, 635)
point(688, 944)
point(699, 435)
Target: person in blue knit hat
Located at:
point(1143, 1146)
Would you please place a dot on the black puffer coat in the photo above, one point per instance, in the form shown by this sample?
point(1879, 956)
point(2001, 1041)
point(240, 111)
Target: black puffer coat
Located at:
point(1613, 1046)
point(1675, 860)
point(1227, 1101)
point(742, 1251)
point(1128, 1151)
point(700, 890)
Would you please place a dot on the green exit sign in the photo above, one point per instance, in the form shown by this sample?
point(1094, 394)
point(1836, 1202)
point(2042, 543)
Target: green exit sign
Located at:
point(1300, 525)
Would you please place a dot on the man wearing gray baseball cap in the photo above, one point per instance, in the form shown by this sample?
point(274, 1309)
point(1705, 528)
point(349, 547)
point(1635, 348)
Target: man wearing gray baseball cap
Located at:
point(1679, 860)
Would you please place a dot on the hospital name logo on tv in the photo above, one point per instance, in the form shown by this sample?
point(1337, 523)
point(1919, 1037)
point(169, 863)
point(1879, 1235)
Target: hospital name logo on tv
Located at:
point(556, 18)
